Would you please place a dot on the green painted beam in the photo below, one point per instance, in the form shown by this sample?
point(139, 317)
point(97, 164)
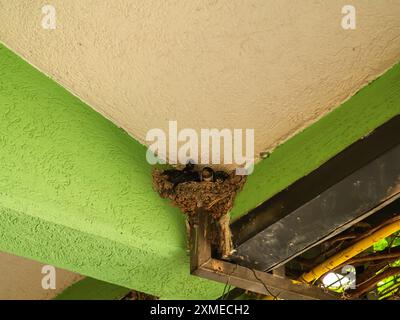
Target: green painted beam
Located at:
point(368, 109)
point(93, 289)
point(76, 192)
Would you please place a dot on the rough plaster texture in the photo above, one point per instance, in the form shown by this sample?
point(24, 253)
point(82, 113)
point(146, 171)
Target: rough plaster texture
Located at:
point(76, 192)
point(21, 278)
point(275, 66)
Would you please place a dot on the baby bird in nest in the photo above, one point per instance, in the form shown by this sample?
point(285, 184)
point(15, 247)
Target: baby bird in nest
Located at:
point(189, 174)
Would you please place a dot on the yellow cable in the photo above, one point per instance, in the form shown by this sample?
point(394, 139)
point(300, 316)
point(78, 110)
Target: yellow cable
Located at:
point(350, 252)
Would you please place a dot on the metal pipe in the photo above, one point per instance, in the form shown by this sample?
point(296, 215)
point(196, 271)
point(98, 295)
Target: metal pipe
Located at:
point(350, 252)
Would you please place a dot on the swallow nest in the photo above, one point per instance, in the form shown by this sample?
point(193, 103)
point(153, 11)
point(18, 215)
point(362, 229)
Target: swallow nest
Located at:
point(216, 197)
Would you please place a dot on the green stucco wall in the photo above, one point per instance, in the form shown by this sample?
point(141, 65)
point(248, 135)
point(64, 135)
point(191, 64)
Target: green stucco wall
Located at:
point(75, 191)
point(93, 289)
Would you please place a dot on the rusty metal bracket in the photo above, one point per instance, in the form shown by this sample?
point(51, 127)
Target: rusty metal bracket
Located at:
point(353, 185)
point(202, 264)
point(347, 189)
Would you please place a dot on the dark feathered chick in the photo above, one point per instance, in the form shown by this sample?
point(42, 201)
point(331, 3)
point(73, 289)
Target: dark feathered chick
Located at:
point(179, 176)
point(220, 176)
point(207, 174)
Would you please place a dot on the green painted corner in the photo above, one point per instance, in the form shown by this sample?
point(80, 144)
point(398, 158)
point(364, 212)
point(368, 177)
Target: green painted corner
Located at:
point(76, 192)
point(368, 109)
point(93, 289)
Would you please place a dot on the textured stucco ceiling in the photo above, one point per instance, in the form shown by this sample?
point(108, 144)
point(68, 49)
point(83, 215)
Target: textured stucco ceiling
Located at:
point(21, 279)
point(275, 66)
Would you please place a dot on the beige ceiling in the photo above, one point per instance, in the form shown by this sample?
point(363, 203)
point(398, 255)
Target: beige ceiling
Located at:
point(275, 66)
point(21, 279)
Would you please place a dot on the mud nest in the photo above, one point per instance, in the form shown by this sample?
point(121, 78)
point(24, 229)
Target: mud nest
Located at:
point(189, 190)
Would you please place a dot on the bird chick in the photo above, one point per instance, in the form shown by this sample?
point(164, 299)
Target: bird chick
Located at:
point(207, 174)
point(220, 176)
